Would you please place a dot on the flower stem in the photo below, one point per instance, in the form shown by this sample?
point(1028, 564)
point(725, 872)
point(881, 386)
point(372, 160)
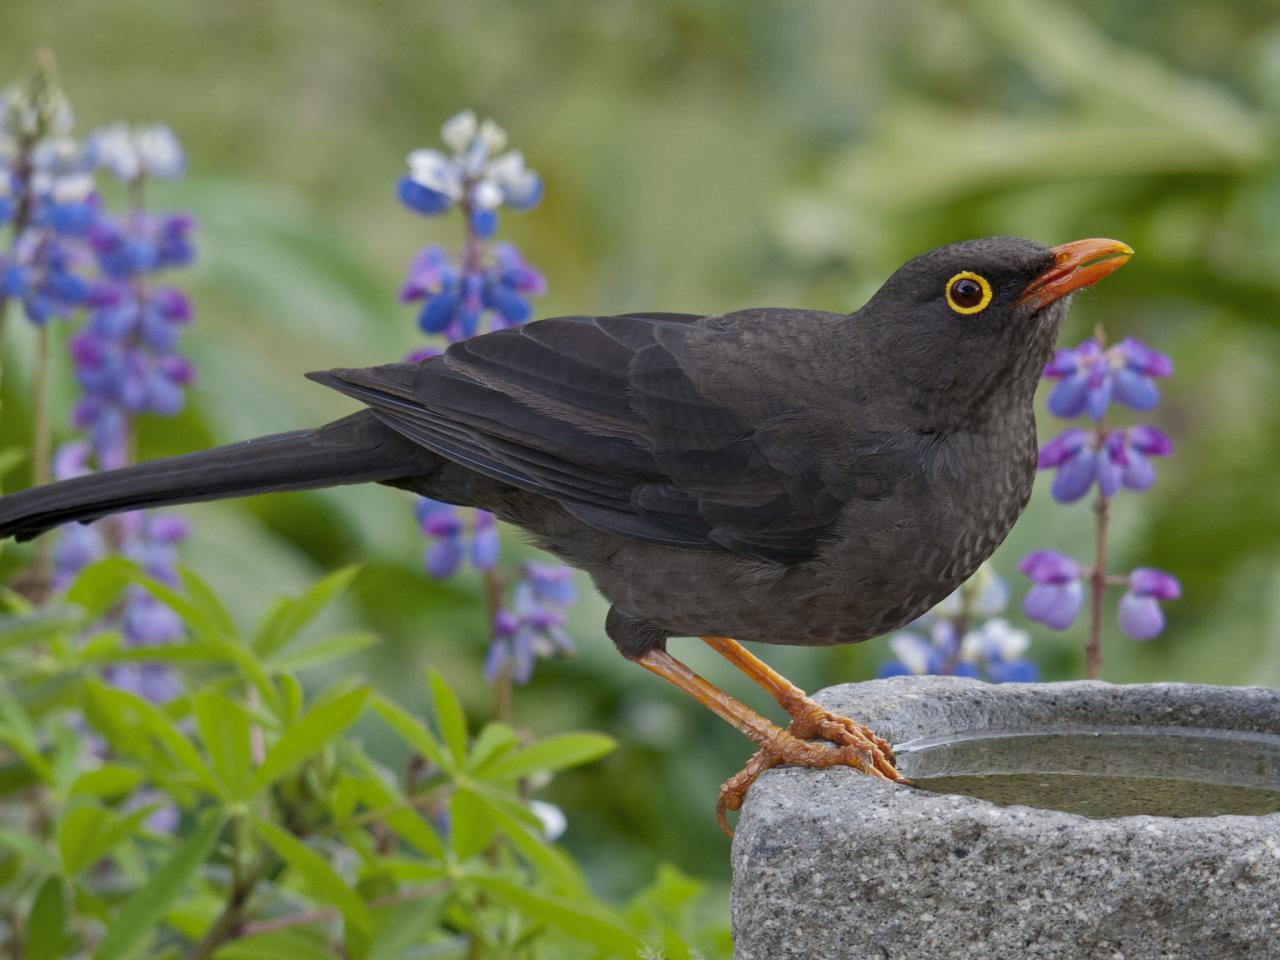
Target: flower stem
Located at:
point(1097, 589)
point(502, 685)
point(41, 455)
point(22, 172)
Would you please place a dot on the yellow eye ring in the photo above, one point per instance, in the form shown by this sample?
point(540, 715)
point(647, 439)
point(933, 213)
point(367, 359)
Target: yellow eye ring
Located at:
point(962, 297)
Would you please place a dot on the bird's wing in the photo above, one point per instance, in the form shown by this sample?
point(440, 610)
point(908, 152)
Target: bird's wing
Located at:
point(625, 422)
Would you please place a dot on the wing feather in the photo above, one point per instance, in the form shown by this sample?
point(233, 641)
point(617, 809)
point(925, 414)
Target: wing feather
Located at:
point(621, 420)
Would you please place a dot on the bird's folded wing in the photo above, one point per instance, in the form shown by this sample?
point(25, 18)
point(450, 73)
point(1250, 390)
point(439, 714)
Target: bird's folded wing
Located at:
point(619, 420)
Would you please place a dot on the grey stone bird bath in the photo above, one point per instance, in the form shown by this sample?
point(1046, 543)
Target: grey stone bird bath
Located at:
point(831, 864)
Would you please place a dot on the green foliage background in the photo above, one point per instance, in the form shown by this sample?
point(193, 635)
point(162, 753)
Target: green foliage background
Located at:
point(704, 156)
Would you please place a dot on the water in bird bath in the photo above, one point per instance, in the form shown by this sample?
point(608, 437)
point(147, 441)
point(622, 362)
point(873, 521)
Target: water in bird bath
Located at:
point(1117, 772)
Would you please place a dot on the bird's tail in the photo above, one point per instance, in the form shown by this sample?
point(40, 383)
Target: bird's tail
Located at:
point(356, 449)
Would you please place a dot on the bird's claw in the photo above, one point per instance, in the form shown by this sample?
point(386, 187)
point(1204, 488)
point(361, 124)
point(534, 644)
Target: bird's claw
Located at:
point(848, 744)
point(819, 723)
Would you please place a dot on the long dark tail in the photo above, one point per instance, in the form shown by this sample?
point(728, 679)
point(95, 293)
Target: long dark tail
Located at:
point(356, 449)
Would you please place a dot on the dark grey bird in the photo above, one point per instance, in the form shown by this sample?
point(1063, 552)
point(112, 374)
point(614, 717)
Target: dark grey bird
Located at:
point(772, 475)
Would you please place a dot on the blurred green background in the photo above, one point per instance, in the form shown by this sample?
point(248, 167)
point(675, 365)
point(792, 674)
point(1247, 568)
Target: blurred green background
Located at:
point(703, 156)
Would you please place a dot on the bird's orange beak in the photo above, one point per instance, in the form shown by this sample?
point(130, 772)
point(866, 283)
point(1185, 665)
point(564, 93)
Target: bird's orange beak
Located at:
point(1076, 265)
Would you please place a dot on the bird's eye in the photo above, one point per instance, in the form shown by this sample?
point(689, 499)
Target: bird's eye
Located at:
point(968, 293)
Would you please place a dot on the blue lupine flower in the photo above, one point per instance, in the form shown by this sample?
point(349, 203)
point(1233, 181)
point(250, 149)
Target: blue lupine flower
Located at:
point(991, 649)
point(129, 153)
point(453, 301)
point(444, 524)
point(474, 175)
point(142, 243)
point(1089, 377)
point(998, 647)
point(485, 284)
point(1058, 594)
point(1139, 612)
point(914, 655)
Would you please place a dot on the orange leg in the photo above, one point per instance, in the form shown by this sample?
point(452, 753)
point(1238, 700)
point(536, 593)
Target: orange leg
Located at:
point(777, 746)
point(809, 720)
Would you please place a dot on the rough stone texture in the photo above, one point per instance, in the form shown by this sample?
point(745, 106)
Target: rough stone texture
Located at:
point(832, 864)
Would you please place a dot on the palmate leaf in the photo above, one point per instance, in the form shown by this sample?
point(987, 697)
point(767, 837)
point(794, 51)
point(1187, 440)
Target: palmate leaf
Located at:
point(88, 833)
point(449, 716)
point(149, 903)
point(321, 651)
point(224, 730)
point(471, 826)
point(398, 814)
point(323, 881)
point(414, 733)
point(136, 728)
point(554, 753)
point(314, 730)
point(47, 937)
point(38, 626)
point(554, 867)
point(291, 615)
point(581, 919)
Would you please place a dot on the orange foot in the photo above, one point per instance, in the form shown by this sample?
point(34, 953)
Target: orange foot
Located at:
point(852, 745)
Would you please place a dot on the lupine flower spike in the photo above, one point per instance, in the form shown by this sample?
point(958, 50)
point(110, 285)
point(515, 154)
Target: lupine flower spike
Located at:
point(1087, 380)
point(486, 285)
point(965, 636)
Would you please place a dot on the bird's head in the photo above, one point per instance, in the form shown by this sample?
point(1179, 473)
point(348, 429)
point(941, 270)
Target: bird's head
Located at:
point(980, 317)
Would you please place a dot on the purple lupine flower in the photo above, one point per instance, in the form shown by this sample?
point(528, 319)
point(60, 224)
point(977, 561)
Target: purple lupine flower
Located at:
point(1140, 614)
point(1089, 377)
point(533, 625)
point(1120, 458)
point(1058, 593)
point(485, 542)
point(443, 524)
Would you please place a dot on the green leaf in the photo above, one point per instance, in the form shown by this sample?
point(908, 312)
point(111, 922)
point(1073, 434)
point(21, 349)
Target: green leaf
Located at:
point(98, 587)
point(404, 819)
point(107, 781)
point(290, 616)
point(224, 728)
point(553, 866)
point(39, 625)
point(18, 731)
point(413, 733)
point(208, 603)
point(401, 926)
point(313, 730)
point(579, 919)
point(131, 725)
point(471, 828)
point(493, 741)
point(322, 880)
point(294, 944)
point(11, 457)
point(551, 754)
point(29, 849)
point(149, 903)
point(322, 651)
point(203, 622)
point(449, 716)
point(88, 833)
point(47, 923)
